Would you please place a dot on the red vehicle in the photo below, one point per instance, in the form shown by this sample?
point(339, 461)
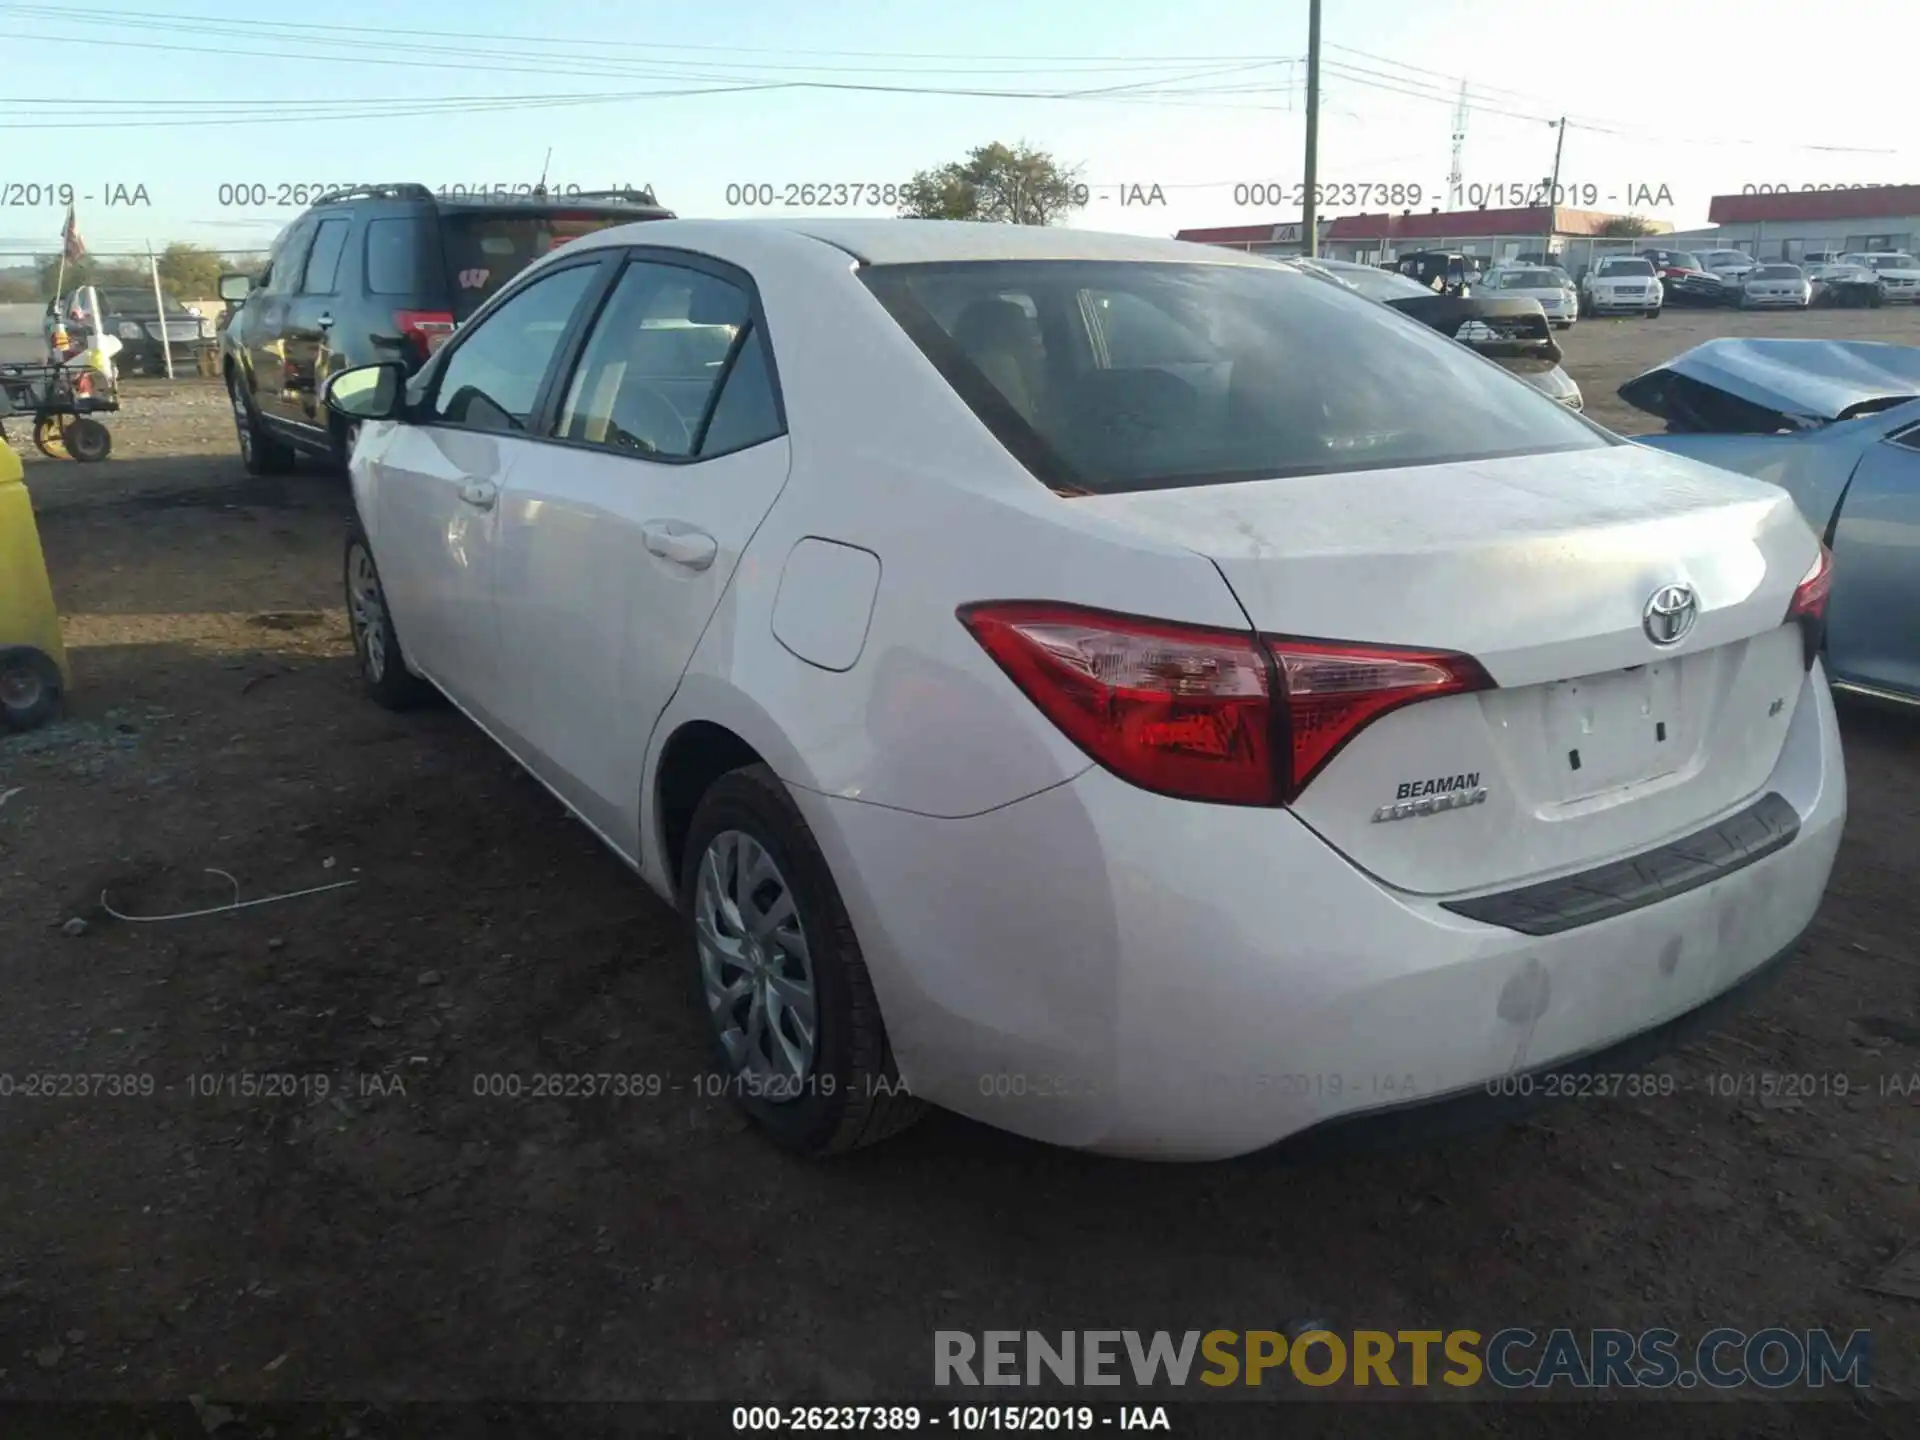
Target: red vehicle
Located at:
point(1684, 279)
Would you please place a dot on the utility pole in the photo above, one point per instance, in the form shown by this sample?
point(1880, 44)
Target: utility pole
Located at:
point(1553, 184)
point(1456, 179)
point(1310, 209)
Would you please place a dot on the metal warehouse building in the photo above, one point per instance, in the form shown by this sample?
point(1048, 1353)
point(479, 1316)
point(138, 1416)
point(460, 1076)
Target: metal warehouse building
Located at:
point(1787, 226)
point(1493, 234)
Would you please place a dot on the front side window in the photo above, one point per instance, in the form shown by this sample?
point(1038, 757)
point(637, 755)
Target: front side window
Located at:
point(492, 378)
point(289, 259)
point(1290, 376)
point(655, 361)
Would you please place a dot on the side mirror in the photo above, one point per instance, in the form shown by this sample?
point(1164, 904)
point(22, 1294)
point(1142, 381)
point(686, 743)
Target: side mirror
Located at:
point(367, 392)
point(235, 288)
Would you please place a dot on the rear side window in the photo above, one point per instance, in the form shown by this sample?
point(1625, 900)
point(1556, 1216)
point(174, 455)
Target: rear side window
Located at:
point(484, 249)
point(323, 263)
point(393, 257)
point(649, 372)
point(1280, 374)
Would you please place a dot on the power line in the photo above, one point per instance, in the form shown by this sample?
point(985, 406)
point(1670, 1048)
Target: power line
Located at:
point(596, 43)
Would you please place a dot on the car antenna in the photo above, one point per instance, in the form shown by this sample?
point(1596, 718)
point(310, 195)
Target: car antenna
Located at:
point(541, 188)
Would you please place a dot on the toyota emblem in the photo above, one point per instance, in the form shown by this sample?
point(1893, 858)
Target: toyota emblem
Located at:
point(1670, 613)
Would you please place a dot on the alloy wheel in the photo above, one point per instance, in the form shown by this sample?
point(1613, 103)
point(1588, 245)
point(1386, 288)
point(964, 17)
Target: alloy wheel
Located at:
point(755, 966)
point(367, 609)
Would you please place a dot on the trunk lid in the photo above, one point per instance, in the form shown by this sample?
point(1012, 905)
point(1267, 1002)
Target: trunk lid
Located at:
point(1597, 742)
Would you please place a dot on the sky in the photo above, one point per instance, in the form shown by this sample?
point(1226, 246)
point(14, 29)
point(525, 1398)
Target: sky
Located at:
point(177, 120)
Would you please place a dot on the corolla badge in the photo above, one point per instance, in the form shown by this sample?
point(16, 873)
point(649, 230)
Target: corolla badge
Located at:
point(1433, 797)
point(1670, 613)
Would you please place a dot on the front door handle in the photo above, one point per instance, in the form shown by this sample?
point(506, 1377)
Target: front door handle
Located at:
point(694, 549)
point(481, 494)
point(325, 322)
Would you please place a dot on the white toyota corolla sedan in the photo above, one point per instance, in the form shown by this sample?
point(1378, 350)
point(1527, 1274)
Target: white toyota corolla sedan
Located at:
point(1132, 693)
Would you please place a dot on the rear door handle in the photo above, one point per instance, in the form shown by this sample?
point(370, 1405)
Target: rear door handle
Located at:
point(686, 546)
point(481, 494)
point(325, 322)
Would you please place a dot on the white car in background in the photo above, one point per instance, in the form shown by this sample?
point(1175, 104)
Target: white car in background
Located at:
point(1731, 267)
point(1132, 693)
point(1553, 288)
point(1899, 272)
point(1622, 284)
point(1776, 284)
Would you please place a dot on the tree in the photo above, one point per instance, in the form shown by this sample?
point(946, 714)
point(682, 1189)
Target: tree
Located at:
point(191, 272)
point(120, 274)
point(1627, 225)
point(1016, 185)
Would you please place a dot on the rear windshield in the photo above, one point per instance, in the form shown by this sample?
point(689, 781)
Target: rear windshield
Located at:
point(486, 249)
point(1109, 376)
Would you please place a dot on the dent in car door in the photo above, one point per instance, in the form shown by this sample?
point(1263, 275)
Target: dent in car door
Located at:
point(614, 558)
point(1873, 617)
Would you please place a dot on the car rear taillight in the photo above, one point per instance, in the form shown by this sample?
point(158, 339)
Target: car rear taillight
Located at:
point(1190, 711)
point(425, 330)
point(1809, 607)
point(1179, 709)
point(1335, 689)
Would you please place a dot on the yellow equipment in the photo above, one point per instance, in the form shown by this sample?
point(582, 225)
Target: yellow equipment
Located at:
point(33, 661)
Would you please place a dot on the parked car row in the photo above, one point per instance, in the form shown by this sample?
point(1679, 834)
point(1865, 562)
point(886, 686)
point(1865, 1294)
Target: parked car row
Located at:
point(1294, 682)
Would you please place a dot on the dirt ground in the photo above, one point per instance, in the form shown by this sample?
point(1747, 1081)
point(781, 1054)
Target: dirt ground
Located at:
point(403, 1237)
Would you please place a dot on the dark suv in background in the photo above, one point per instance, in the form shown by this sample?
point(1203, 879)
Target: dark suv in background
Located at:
point(381, 272)
point(135, 321)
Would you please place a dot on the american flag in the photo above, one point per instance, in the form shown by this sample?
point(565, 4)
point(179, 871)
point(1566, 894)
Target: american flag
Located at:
point(72, 245)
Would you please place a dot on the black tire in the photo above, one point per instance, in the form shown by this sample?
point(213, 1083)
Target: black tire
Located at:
point(852, 1095)
point(376, 646)
point(87, 441)
point(30, 688)
point(262, 453)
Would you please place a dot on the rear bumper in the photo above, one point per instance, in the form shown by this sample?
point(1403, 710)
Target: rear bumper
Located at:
point(1099, 967)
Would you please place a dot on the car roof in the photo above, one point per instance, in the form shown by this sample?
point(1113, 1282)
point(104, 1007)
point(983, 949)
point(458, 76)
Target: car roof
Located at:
point(908, 242)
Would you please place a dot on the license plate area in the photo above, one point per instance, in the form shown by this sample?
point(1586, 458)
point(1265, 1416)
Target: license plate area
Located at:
point(1617, 729)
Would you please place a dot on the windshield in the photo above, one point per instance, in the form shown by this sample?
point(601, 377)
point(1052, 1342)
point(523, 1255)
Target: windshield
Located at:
point(137, 302)
point(1893, 262)
point(1777, 272)
point(1625, 267)
point(1529, 280)
point(1110, 376)
point(486, 249)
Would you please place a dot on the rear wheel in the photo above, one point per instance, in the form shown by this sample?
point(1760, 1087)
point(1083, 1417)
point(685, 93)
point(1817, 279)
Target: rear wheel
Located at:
point(383, 672)
point(260, 452)
point(795, 1026)
point(87, 440)
point(29, 688)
